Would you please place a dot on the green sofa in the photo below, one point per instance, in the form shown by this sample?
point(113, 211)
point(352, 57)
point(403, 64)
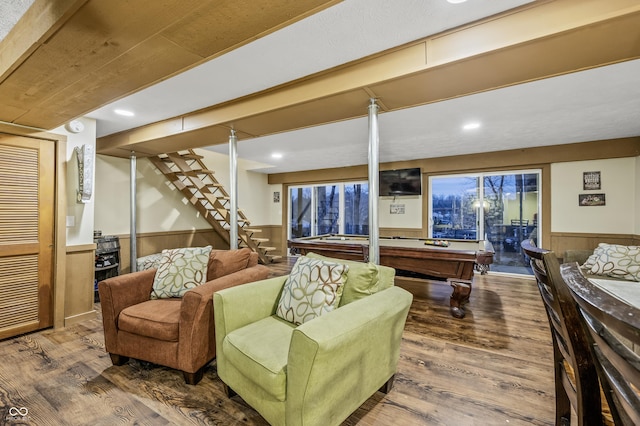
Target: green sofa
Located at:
point(321, 371)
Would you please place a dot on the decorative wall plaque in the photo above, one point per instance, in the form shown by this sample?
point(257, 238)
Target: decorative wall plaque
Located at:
point(396, 208)
point(590, 180)
point(84, 155)
point(591, 199)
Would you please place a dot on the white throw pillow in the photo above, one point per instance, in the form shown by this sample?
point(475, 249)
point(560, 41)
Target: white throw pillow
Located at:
point(180, 270)
point(313, 288)
point(591, 260)
point(618, 261)
point(148, 262)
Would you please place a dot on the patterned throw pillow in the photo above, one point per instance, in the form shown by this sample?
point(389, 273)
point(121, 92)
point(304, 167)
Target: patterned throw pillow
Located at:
point(148, 262)
point(591, 260)
point(180, 270)
point(313, 288)
point(618, 261)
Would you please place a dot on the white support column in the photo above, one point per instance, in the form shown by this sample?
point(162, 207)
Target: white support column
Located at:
point(233, 194)
point(374, 141)
point(132, 222)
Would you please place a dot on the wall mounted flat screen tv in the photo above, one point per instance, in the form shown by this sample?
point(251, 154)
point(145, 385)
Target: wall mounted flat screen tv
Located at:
point(400, 182)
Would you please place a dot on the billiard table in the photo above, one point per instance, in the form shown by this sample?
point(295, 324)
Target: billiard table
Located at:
point(454, 263)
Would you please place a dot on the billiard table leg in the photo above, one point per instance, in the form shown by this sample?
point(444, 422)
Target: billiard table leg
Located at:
point(459, 297)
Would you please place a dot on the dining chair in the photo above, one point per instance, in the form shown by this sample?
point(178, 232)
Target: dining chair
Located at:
point(576, 379)
point(613, 324)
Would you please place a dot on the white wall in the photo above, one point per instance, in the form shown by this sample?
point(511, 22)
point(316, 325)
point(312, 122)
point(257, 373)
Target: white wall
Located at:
point(255, 195)
point(619, 183)
point(411, 218)
point(162, 208)
point(80, 216)
point(637, 183)
point(275, 208)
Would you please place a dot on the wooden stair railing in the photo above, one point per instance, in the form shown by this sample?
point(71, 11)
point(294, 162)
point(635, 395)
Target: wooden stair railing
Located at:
point(186, 171)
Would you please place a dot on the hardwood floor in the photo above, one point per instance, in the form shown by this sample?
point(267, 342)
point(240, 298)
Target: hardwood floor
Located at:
point(493, 367)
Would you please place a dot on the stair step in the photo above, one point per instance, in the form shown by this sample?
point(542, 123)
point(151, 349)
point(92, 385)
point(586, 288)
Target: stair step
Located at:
point(190, 156)
point(264, 248)
point(192, 173)
point(193, 185)
point(260, 240)
point(252, 230)
point(211, 197)
point(179, 184)
point(274, 258)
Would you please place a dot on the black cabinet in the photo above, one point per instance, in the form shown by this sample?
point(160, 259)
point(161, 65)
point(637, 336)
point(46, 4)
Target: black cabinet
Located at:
point(107, 263)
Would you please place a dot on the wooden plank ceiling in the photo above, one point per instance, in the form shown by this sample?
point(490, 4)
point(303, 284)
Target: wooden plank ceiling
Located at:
point(66, 58)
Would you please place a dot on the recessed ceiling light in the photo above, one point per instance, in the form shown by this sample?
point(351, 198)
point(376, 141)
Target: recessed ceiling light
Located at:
point(276, 155)
point(471, 125)
point(456, 1)
point(124, 112)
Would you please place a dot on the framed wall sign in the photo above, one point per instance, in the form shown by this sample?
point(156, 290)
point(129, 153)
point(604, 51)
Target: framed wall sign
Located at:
point(396, 209)
point(591, 199)
point(590, 180)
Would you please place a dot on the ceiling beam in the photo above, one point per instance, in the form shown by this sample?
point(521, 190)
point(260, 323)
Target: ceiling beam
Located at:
point(541, 40)
point(476, 162)
point(66, 58)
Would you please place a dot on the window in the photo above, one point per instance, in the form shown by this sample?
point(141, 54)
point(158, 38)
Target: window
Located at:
point(356, 208)
point(300, 212)
point(339, 208)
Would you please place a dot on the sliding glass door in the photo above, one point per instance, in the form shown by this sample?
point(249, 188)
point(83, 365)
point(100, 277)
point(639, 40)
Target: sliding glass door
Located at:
point(503, 208)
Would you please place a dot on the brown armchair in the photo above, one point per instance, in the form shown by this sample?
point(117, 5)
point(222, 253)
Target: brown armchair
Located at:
point(175, 332)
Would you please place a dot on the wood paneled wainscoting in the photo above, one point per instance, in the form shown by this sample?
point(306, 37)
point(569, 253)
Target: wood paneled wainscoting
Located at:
point(154, 242)
point(78, 304)
point(275, 235)
point(561, 241)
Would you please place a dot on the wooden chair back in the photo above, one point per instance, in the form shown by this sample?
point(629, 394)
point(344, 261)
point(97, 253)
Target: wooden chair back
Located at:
point(614, 329)
point(576, 379)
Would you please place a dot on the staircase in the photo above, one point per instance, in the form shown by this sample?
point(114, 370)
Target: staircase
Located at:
point(186, 171)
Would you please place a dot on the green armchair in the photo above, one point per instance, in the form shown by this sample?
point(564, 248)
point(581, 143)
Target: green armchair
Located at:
point(321, 371)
